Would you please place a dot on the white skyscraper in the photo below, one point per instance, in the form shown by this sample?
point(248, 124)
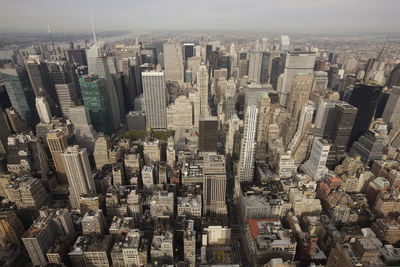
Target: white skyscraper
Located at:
point(173, 62)
point(255, 61)
point(202, 87)
point(43, 109)
point(79, 174)
point(155, 99)
point(246, 160)
point(84, 132)
point(296, 62)
point(103, 67)
point(315, 165)
point(285, 43)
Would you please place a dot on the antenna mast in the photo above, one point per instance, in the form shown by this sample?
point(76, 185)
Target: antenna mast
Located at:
point(93, 31)
point(51, 39)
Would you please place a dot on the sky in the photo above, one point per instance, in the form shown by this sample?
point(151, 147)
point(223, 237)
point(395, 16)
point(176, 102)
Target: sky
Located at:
point(292, 16)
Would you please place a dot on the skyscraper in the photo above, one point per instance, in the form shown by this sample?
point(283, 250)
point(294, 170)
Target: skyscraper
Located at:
point(79, 174)
point(173, 62)
point(43, 109)
point(263, 119)
point(394, 77)
point(67, 95)
point(202, 87)
point(365, 98)
point(296, 62)
point(84, 132)
point(96, 103)
point(285, 43)
point(188, 50)
point(155, 97)
point(255, 62)
point(276, 70)
point(57, 143)
point(214, 184)
point(18, 95)
point(246, 161)
point(315, 165)
point(208, 133)
point(104, 66)
point(300, 93)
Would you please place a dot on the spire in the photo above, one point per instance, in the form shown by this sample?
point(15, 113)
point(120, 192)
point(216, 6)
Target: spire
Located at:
point(51, 39)
point(93, 31)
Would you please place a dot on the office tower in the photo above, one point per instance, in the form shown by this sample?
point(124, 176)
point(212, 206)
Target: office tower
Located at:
point(337, 130)
point(77, 57)
point(214, 184)
point(193, 64)
point(276, 70)
point(148, 176)
point(296, 62)
point(300, 141)
point(155, 97)
point(320, 81)
point(188, 51)
point(67, 95)
point(27, 193)
point(246, 161)
point(300, 93)
point(5, 101)
point(79, 174)
point(209, 49)
point(173, 62)
point(94, 223)
point(103, 66)
point(17, 123)
point(325, 106)
point(96, 103)
point(365, 98)
point(214, 61)
point(243, 68)
point(26, 155)
point(11, 229)
point(189, 244)
point(57, 143)
point(255, 62)
point(394, 77)
point(101, 149)
point(391, 113)
point(285, 43)
point(370, 145)
point(202, 87)
point(234, 125)
point(315, 165)
point(84, 132)
point(5, 132)
point(208, 133)
point(180, 115)
point(120, 88)
point(18, 95)
point(43, 109)
point(263, 121)
point(225, 63)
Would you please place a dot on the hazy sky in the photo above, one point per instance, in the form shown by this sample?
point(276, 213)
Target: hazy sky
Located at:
point(322, 16)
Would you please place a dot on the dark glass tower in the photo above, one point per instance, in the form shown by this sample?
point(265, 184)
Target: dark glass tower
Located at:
point(276, 70)
point(208, 134)
point(365, 98)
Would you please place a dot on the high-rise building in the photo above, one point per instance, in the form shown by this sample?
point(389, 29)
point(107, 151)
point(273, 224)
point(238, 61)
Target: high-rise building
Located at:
point(67, 95)
point(263, 121)
point(104, 66)
point(11, 229)
point(188, 51)
point(173, 62)
point(57, 143)
point(340, 122)
point(246, 161)
point(394, 77)
point(101, 150)
point(296, 62)
point(214, 184)
point(300, 93)
point(276, 70)
point(202, 87)
point(79, 174)
point(96, 103)
point(84, 132)
point(41, 82)
point(365, 98)
point(315, 165)
point(320, 81)
point(18, 95)
point(285, 43)
point(43, 109)
point(208, 133)
point(155, 96)
point(391, 113)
